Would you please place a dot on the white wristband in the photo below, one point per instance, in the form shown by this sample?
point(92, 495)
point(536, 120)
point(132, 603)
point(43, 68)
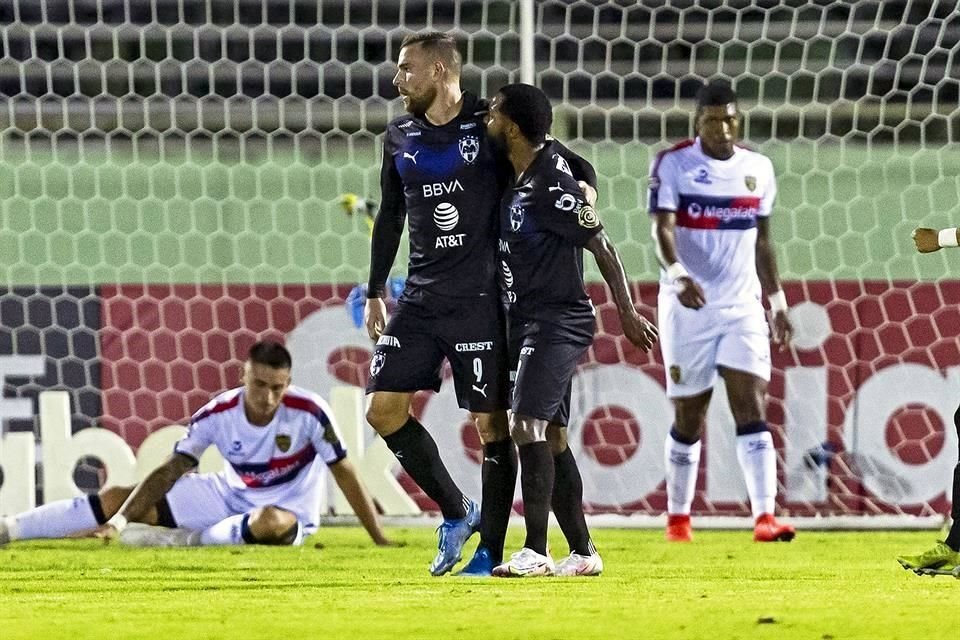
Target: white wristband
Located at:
point(778, 302)
point(675, 271)
point(947, 238)
point(118, 522)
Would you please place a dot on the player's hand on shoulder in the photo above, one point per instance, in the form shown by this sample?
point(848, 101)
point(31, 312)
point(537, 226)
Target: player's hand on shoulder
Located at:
point(690, 293)
point(640, 331)
point(589, 193)
point(375, 317)
point(782, 329)
point(926, 240)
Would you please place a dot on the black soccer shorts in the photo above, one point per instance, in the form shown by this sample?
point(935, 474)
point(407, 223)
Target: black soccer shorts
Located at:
point(543, 358)
point(425, 329)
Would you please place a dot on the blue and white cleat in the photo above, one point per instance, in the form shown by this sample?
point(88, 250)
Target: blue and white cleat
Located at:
point(480, 565)
point(452, 535)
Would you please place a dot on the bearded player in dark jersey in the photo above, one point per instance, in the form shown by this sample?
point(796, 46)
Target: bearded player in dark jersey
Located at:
point(545, 224)
point(440, 172)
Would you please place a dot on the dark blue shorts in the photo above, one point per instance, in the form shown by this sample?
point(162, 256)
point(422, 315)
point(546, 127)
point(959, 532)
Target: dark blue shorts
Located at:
point(543, 359)
point(425, 329)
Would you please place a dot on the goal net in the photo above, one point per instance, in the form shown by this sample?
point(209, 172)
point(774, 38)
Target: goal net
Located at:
point(170, 174)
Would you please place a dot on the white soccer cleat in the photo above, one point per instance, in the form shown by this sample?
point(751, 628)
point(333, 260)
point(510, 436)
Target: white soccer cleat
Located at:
point(144, 535)
point(526, 563)
point(578, 565)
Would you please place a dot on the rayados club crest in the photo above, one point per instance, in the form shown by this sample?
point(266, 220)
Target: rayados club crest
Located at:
point(469, 148)
point(376, 363)
point(516, 218)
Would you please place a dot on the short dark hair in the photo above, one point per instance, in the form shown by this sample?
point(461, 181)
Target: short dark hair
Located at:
point(715, 93)
point(530, 110)
point(438, 44)
point(271, 353)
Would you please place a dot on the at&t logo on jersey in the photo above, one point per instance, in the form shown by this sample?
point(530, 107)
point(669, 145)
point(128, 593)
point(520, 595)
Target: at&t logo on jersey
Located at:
point(446, 216)
point(469, 148)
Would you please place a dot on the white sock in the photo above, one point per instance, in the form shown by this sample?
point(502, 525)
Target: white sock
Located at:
point(54, 520)
point(228, 531)
point(682, 461)
point(758, 460)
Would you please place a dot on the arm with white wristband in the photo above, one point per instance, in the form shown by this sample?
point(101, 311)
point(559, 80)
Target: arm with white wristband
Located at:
point(144, 497)
point(778, 302)
point(929, 240)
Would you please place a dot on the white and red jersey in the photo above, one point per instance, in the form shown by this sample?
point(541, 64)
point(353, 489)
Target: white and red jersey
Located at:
point(278, 459)
point(717, 204)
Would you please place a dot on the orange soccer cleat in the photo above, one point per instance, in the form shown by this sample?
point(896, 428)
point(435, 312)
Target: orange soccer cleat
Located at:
point(767, 529)
point(678, 528)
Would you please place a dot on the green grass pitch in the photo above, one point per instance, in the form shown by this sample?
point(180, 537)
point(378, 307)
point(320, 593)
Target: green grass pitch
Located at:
point(823, 586)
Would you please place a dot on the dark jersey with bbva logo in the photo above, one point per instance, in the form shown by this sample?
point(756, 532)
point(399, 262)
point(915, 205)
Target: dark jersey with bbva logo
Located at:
point(447, 181)
point(544, 225)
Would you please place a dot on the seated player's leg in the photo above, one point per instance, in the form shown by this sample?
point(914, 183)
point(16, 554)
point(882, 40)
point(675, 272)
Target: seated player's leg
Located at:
point(945, 555)
point(194, 503)
point(407, 358)
point(270, 525)
point(743, 358)
point(68, 518)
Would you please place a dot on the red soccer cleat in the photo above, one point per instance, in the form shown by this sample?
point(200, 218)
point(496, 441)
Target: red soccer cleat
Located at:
point(678, 528)
point(767, 529)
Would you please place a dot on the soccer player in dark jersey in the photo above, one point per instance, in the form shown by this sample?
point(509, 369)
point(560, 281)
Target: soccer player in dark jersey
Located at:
point(441, 174)
point(943, 556)
point(545, 224)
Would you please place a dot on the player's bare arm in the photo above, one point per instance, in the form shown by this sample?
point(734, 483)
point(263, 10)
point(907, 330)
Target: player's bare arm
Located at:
point(148, 493)
point(930, 240)
point(641, 332)
point(770, 281)
point(689, 292)
point(353, 490)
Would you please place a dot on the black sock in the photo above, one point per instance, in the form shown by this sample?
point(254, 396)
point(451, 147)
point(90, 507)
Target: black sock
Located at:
point(953, 538)
point(417, 452)
point(568, 503)
point(536, 483)
point(499, 475)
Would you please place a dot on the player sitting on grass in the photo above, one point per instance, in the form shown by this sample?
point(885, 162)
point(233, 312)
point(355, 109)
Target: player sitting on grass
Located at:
point(273, 437)
point(944, 556)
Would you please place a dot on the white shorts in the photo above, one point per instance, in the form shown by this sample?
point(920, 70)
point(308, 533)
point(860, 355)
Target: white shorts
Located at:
point(200, 500)
point(695, 342)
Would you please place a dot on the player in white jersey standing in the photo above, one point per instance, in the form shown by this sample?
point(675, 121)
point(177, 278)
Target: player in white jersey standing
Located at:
point(710, 200)
point(275, 440)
